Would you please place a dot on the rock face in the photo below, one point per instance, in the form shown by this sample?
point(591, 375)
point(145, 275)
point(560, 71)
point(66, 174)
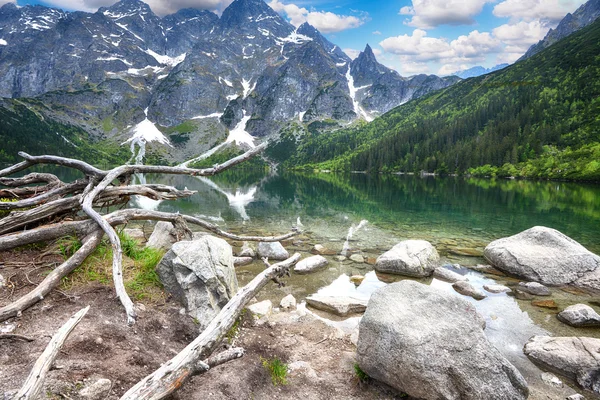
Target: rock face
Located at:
point(575, 357)
point(547, 256)
point(311, 264)
point(416, 258)
point(165, 234)
point(272, 250)
point(338, 305)
point(579, 315)
point(200, 274)
point(433, 346)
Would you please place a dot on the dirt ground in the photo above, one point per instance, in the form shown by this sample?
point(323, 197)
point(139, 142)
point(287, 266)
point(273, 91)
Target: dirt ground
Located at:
point(103, 346)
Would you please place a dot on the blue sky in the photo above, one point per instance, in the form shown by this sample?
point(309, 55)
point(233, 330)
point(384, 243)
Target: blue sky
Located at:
point(418, 36)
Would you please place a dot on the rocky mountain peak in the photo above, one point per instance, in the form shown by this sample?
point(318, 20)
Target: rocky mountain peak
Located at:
point(126, 7)
point(248, 11)
point(365, 69)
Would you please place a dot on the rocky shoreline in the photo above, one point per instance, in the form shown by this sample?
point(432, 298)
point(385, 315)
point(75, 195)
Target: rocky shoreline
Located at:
point(420, 327)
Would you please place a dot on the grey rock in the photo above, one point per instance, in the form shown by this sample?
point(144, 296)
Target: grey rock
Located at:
point(357, 258)
point(272, 250)
point(497, 288)
point(338, 305)
point(247, 251)
point(416, 258)
point(519, 294)
point(534, 288)
point(2, 281)
point(445, 274)
point(241, 261)
point(432, 346)
point(165, 234)
point(576, 396)
point(311, 264)
point(261, 309)
point(97, 390)
point(546, 256)
point(551, 379)
point(288, 302)
point(200, 274)
point(465, 288)
point(579, 315)
point(577, 358)
point(320, 249)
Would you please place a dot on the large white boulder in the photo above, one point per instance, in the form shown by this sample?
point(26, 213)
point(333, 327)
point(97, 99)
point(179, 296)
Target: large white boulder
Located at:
point(430, 344)
point(417, 258)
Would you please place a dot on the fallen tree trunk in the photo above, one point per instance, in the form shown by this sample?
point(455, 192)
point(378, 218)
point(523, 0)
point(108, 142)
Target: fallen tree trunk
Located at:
point(34, 382)
point(175, 372)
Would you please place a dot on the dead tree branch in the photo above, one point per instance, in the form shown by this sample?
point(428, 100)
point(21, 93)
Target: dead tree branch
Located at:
point(34, 382)
point(175, 372)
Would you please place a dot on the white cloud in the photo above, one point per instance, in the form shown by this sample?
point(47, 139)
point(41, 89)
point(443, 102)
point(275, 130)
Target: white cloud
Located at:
point(518, 37)
point(352, 53)
point(324, 21)
point(409, 67)
point(376, 33)
point(474, 46)
point(431, 13)
point(549, 10)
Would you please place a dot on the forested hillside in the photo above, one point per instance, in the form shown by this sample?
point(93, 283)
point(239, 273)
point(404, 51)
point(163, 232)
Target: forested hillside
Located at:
point(537, 118)
point(22, 129)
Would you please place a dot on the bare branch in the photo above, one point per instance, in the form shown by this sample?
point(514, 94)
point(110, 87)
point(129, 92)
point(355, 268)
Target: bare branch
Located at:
point(53, 279)
point(34, 382)
point(44, 197)
point(67, 162)
point(175, 372)
point(15, 168)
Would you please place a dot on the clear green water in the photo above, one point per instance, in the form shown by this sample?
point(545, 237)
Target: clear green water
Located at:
point(442, 210)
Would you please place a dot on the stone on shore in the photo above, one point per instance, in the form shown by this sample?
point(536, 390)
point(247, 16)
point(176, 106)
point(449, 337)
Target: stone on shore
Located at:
point(247, 251)
point(416, 258)
point(241, 261)
point(466, 289)
point(546, 256)
point(445, 274)
point(338, 305)
point(534, 288)
point(432, 346)
point(288, 302)
point(272, 250)
point(261, 309)
point(311, 264)
point(579, 315)
point(165, 234)
point(200, 274)
point(575, 357)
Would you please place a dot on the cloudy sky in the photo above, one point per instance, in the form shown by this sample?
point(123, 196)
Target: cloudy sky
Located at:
point(418, 36)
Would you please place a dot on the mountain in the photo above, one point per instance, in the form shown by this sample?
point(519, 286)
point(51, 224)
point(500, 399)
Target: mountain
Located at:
point(183, 82)
point(537, 118)
point(478, 71)
point(582, 17)
point(379, 89)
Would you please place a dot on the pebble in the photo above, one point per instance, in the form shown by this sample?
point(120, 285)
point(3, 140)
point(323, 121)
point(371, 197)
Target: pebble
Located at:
point(497, 288)
point(465, 288)
point(551, 380)
point(545, 304)
point(357, 258)
point(534, 288)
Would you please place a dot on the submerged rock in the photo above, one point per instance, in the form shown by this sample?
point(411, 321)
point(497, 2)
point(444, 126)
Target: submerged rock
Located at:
point(547, 256)
point(551, 304)
point(417, 258)
point(432, 346)
point(447, 275)
point(338, 305)
point(497, 288)
point(575, 357)
point(320, 249)
point(272, 250)
point(311, 264)
point(534, 288)
point(357, 258)
point(200, 274)
point(465, 288)
point(579, 315)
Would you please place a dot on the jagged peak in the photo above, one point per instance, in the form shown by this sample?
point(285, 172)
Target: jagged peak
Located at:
point(124, 6)
point(367, 54)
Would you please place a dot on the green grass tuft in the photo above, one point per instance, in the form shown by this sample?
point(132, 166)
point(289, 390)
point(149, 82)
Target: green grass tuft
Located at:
point(277, 369)
point(360, 374)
